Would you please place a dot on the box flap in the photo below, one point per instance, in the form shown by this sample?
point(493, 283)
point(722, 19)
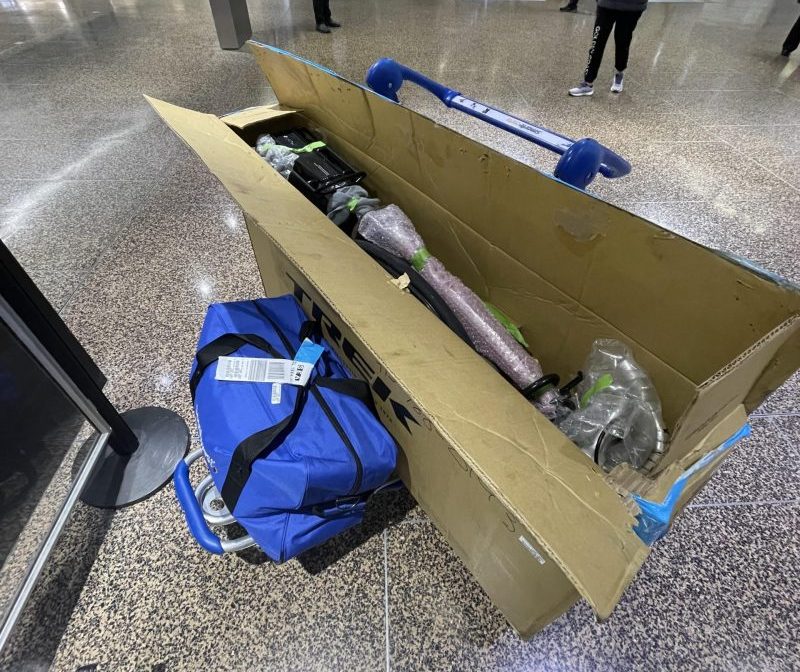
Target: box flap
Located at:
point(745, 380)
point(240, 169)
point(558, 495)
point(255, 115)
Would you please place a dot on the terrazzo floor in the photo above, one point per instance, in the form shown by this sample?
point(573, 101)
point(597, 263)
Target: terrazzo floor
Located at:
point(130, 238)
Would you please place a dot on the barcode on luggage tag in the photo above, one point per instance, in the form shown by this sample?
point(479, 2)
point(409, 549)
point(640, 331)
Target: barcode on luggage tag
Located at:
point(262, 370)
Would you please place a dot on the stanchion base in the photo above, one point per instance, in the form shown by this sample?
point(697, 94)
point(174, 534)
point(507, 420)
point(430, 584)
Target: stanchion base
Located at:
point(122, 480)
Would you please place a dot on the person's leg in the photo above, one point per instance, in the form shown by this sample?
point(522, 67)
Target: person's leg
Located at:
point(319, 11)
point(623, 35)
point(602, 29)
point(328, 20)
point(792, 39)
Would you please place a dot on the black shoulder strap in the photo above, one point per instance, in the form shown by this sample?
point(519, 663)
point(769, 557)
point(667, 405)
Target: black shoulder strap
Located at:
point(254, 447)
point(222, 346)
point(310, 329)
point(352, 387)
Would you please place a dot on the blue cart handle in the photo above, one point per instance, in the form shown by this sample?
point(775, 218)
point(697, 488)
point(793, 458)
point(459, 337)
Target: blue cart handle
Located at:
point(191, 508)
point(580, 160)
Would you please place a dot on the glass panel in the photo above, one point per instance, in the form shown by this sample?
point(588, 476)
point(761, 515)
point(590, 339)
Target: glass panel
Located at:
point(42, 434)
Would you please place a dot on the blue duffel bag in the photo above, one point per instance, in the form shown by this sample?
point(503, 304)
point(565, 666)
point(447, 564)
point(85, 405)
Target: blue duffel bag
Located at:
point(293, 469)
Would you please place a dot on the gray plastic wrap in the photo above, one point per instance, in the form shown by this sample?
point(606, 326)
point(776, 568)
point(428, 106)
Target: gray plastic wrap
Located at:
point(620, 415)
point(279, 157)
point(392, 230)
point(347, 200)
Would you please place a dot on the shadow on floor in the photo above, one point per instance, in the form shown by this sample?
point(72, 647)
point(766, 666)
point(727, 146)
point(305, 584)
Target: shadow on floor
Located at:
point(36, 638)
point(34, 642)
point(383, 510)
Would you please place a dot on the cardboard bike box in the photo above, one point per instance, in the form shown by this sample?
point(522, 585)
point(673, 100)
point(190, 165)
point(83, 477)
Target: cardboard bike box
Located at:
point(534, 519)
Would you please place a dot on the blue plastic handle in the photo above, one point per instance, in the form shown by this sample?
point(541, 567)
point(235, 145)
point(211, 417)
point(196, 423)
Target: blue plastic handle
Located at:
point(580, 160)
point(194, 514)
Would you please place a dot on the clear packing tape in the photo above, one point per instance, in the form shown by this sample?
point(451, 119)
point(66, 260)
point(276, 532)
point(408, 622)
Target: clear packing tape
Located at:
point(392, 230)
point(618, 418)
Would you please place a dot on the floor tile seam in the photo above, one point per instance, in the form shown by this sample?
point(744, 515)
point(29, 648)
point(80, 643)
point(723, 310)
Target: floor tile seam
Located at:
point(756, 503)
point(748, 125)
point(776, 414)
point(760, 165)
point(386, 624)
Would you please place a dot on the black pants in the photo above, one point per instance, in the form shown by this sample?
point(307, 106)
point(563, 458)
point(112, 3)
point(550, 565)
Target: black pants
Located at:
point(793, 38)
point(322, 11)
point(623, 34)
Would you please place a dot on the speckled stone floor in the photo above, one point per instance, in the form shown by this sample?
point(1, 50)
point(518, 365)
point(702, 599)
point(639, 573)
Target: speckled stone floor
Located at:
point(130, 238)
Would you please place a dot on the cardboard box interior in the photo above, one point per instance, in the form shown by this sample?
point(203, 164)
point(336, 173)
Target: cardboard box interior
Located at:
point(678, 296)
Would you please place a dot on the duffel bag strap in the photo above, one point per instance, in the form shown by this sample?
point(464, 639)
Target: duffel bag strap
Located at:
point(345, 504)
point(222, 346)
point(310, 329)
point(254, 447)
point(352, 387)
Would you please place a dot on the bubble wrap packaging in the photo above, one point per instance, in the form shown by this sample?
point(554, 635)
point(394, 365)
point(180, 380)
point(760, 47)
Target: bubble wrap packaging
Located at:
point(339, 204)
point(392, 230)
point(620, 415)
point(279, 157)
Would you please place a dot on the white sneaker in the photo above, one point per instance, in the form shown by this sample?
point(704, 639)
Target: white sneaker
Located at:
point(616, 85)
point(583, 89)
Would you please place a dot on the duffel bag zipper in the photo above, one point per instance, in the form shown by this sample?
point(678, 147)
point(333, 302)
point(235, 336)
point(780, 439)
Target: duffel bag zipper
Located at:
point(324, 406)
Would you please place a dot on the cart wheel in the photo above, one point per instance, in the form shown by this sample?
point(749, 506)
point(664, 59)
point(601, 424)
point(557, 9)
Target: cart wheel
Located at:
point(214, 510)
point(213, 505)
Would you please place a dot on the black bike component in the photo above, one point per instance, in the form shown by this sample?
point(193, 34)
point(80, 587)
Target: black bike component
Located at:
point(419, 286)
point(297, 138)
point(540, 385)
point(572, 384)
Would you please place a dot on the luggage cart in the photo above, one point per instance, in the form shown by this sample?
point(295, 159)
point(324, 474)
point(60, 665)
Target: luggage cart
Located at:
point(203, 507)
point(580, 162)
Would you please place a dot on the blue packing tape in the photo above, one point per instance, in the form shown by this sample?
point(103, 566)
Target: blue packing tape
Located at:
point(654, 517)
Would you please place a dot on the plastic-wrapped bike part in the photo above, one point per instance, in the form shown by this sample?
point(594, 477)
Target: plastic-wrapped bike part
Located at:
point(418, 286)
point(350, 202)
point(619, 419)
point(280, 157)
point(392, 230)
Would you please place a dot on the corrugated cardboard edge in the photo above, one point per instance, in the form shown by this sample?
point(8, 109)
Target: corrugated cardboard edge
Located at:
point(254, 115)
point(247, 177)
point(744, 381)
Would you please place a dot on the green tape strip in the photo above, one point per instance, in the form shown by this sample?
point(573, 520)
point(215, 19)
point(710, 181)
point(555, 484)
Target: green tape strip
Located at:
point(353, 203)
point(601, 383)
point(507, 323)
point(419, 258)
point(310, 147)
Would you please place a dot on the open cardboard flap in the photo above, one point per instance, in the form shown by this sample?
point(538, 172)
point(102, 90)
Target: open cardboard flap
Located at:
point(573, 264)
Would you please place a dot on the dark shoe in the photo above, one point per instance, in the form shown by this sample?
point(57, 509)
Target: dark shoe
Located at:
point(785, 52)
point(322, 28)
point(569, 7)
point(333, 24)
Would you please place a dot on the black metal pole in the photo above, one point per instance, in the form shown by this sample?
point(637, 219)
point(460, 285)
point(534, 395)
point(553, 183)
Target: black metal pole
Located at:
point(29, 303)
point(145, 444)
